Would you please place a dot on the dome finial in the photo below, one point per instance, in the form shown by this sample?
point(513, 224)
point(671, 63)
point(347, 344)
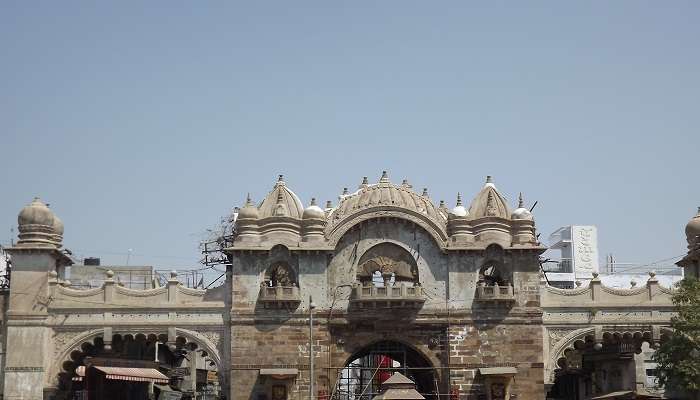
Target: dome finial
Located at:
point(329, 204)
point(488, 179)
point(365, 182)
point(442, 204)
point(405, 184)
point(280, 178)
point(384, 178)
point(521, 204)
point(313, 201)
point(459, 198)
point(248, 200)
point(345, 191)
point(425, 192)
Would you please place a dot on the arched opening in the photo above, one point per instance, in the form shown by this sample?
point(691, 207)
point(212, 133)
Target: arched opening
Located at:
point(589, 368)
point(137, 366)
point(370, 366)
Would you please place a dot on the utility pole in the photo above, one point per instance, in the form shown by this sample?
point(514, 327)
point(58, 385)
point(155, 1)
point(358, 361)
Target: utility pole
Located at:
point(311, 348)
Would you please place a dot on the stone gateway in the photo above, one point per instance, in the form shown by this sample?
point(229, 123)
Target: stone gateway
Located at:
point(328, 303)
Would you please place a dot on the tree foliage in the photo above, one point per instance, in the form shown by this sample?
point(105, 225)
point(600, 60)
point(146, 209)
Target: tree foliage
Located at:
point(679, 357)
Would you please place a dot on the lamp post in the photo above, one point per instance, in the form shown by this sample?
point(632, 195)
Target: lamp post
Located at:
point(312, 306)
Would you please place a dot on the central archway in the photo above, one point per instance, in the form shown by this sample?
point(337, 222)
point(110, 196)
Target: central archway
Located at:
point(367, 368)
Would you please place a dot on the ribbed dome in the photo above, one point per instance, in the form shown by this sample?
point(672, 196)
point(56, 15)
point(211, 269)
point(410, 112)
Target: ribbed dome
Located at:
point(386, 194)
point(521, 212)
point(489, 203)
point(36, 213)
point(281, 202)
point(692, 229)
point(314, 211)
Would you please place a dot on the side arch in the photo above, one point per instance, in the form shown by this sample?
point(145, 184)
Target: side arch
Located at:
point(557, 351)
point(64, 344)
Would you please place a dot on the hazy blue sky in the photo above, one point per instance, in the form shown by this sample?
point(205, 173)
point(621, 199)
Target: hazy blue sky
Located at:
point(142, 124)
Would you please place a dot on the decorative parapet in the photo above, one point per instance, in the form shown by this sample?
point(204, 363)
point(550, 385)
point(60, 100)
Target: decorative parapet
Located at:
point(598, 295)
point(111, 295)
point(279, 296)
point(397, 296)
point(495, 293)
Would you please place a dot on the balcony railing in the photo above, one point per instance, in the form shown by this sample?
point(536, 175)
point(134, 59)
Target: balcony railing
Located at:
point(565, 265)
point(396, 296)
point(279, 296)
point(495, 293)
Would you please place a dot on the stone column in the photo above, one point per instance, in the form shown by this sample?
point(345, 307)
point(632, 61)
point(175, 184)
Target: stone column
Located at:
point(29, 357)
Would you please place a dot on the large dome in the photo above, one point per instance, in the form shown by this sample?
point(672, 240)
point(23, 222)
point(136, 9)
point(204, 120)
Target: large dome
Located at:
point(386, 194)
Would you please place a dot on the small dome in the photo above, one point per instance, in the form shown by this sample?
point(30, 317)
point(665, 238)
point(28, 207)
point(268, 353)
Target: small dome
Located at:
point(249, 210)
point(459, 210)
point(313, 211)
point(489, 203)
point(36, 213)
point(521, 212)
point(692, 229)
point(281, 202)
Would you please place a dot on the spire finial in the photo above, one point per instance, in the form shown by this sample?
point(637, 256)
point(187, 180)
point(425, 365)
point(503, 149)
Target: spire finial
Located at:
point(248, 200)
point(521, 204)
point(329, 204)
point(313, 201)
point(442, 203)
point(405, 183)
point(345, 191)
point(425, 192)
point(365, 182)
point(384, 178)
point(489, 179)
point(280, 178)
point(459, 199)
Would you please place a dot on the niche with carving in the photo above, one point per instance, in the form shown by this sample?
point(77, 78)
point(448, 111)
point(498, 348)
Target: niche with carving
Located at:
point(387, 264)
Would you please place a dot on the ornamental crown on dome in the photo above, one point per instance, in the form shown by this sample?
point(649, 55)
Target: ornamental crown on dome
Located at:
point(280, 218)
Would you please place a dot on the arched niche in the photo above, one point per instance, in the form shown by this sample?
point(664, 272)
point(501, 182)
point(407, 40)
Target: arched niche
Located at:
point(392, 263)
point(492, 270)
point(280, 273)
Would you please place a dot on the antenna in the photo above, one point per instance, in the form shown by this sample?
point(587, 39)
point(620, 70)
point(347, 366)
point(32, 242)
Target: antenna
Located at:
point(128, 256)
point(533, 206)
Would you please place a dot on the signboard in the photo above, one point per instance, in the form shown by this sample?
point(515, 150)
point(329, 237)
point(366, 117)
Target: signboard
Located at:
point(585, 246)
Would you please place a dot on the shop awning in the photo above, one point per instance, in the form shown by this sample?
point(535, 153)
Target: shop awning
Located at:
point(279, 373)
point(498, 371)
point(134, 374)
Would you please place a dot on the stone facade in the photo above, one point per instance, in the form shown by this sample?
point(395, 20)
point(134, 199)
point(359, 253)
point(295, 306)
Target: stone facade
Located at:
point(452, 298)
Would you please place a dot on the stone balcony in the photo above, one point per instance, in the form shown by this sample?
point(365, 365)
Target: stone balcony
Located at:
point(399, 296)
point(495, 293)
point(279, 296)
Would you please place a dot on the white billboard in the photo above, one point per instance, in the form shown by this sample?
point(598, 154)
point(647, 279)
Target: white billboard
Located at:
point(585, 246)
